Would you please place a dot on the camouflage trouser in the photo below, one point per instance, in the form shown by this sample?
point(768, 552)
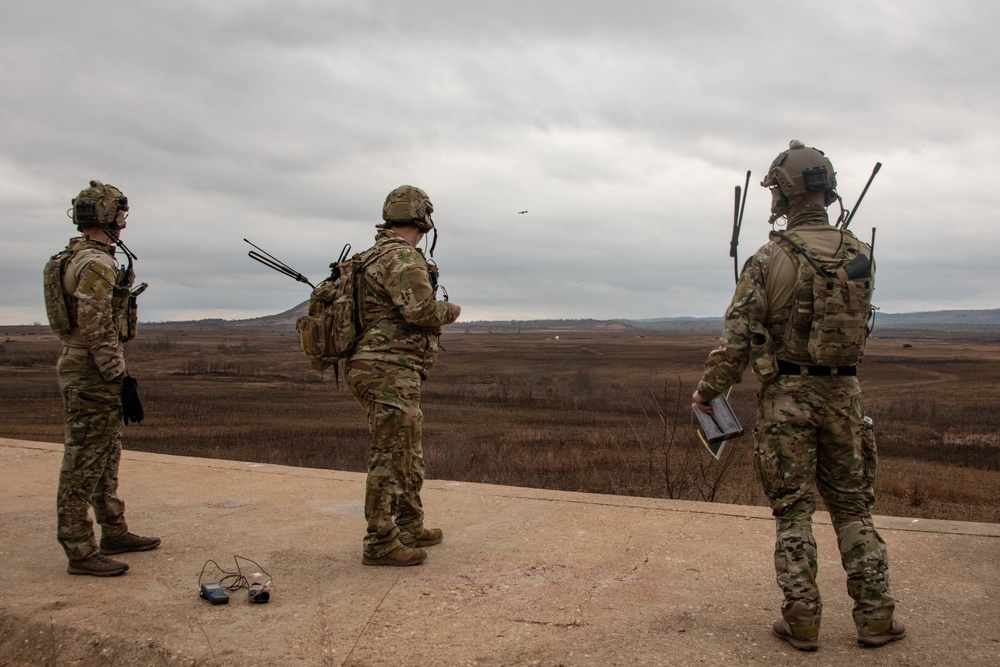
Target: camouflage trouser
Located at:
point(89, 473)
point(810, 433)
point(390, 395)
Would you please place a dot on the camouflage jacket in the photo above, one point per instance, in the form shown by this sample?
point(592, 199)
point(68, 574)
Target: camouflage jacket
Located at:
point(89, 281)
point(761, 305)
point(400, 316)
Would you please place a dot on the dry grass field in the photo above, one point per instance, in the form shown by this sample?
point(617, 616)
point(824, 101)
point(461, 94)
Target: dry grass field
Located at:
point(603, 411)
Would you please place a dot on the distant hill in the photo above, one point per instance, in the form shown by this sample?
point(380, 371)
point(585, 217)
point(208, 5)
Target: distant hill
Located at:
point(282, 321)
point(932, 321)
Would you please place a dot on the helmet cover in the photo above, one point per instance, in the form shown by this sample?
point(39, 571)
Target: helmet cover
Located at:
point(408, 204)
point(98, 206)
point(798, 171)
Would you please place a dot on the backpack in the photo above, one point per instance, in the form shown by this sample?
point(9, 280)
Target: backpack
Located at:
point(832, 303)
point(333, 326)
point(56, 308)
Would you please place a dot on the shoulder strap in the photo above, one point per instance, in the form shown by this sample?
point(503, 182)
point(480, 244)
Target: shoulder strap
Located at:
point(802, 251)
point(857, 268)
point(358, 277)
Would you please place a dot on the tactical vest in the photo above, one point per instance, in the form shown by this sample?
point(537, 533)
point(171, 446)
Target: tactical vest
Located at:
point(831, 303)
point(60, 307)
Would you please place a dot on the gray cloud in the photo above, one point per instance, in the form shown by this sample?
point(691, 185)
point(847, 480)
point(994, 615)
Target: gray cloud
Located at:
point(621, 127)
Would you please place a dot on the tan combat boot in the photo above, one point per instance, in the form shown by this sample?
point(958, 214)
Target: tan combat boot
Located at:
point(97, 565)
point(428, 538)
point(128, 542)
point(400, 557)
point(801, 638)
point(880, 633)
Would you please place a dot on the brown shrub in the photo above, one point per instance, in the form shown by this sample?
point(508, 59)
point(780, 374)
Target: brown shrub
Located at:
point(604, 412)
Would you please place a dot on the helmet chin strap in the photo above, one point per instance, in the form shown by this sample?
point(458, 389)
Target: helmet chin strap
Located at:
point(434, 242)
point(844, 213)
point(779, 209)
point(430, 221)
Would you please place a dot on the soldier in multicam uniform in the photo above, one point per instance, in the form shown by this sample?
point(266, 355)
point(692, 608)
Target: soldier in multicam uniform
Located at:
point(401, 321)
point(810, 430)
point(91, 307)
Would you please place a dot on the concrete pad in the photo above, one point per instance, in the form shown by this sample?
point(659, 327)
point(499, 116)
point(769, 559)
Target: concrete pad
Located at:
point(523, 577)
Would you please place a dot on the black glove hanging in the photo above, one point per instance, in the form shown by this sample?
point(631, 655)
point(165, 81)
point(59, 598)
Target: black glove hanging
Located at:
point(131, 404)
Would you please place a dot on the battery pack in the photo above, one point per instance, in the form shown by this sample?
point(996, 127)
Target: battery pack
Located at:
point(214, 593)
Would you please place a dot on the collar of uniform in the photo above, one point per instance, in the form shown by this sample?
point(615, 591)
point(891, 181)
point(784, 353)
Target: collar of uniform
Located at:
point(387, 236)
point(81, 242)
point(810, 218)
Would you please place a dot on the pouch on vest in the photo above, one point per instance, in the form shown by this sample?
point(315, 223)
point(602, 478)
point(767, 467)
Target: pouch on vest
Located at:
point(316, 328)
point(763, 361)
point(841, 308)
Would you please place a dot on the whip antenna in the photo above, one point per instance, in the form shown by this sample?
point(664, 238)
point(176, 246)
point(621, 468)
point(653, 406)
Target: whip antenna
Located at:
point(738, 207)
point(272, 262)
point(878, 165)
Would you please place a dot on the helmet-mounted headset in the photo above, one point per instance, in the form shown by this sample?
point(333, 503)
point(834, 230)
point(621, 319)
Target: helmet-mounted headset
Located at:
point(796, 172)
point(98, 206)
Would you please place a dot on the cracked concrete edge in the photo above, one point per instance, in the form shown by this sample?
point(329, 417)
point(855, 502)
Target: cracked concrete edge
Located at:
point(886, 523)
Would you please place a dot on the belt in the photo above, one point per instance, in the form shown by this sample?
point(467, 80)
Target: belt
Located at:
point(75, 352)
point(787, 368)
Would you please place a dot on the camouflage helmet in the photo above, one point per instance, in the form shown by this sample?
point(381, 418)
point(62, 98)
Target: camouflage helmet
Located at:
point(798, 171)
point(408, 204)
point(98, 206)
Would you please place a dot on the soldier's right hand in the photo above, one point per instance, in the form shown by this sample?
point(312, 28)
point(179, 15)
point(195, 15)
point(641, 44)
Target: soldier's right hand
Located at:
point(700, 403)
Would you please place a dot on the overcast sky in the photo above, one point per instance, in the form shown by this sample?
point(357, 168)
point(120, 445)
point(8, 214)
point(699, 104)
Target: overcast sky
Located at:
point(621, 127)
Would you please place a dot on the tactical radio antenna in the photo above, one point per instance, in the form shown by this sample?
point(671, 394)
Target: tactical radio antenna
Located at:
point(737, 224)
point(126, 275)
point(118, 242)
point(272, 262)
point(878, 165)
point(335, 266)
